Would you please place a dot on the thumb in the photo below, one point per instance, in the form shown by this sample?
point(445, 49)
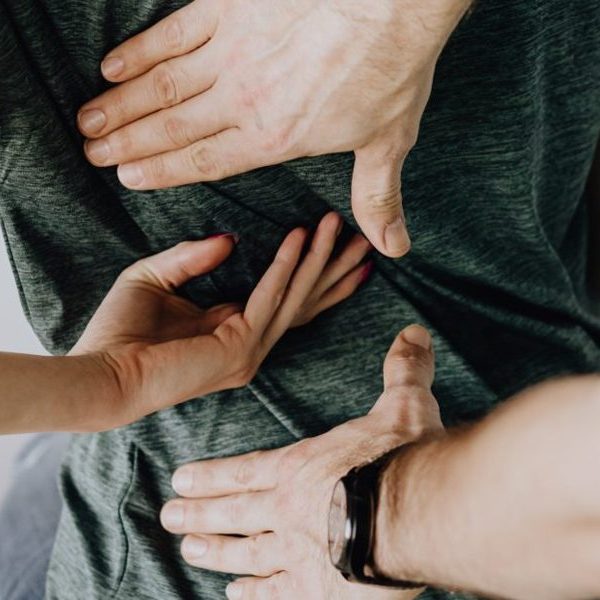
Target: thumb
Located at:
point(408, 373)
point(173, 267)
point(377, 200)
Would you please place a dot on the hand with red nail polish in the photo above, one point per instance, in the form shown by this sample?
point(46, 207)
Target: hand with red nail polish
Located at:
point(221, 88)
point(160, 349)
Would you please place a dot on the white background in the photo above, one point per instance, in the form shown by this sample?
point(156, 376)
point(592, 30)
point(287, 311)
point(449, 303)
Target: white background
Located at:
point(15, 336)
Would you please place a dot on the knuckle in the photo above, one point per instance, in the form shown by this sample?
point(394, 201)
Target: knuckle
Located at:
point(165, 86)
point(203, 162)
point(408, 398)
point(157, 168)
point(235, 509)
point(121, 143)
point(173, 34)
point(118, 108)
point(253, 555)
point(244, 474)
point(177, 132)
point(384, 201)
point(414, 411)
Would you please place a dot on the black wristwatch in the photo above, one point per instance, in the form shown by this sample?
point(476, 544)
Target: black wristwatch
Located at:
point(352, 525)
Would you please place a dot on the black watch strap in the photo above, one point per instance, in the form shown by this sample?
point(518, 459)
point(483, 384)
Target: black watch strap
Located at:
point(362, 493)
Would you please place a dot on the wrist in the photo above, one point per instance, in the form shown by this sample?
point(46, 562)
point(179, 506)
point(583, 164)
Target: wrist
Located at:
point(100, 402)
point(406, 517)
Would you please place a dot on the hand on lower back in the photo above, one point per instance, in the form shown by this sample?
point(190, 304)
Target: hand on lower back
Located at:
point(220, 88)
point(161, 349)
point(278, 500)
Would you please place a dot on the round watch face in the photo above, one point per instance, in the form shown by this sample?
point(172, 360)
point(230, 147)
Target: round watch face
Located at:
point(338, 523)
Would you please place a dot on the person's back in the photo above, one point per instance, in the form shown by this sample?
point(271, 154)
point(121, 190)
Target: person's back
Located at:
point(496, 210)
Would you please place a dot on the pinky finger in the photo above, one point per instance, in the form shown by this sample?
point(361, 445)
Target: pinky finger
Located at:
point(339, 292)
point(259, 588)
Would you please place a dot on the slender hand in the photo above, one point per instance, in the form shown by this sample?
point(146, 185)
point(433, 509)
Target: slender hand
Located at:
point(147, 348)
point(223, 87)
point(279, 499)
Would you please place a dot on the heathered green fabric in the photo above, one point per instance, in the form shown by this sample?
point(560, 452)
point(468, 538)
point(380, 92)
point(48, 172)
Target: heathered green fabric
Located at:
point(495, 204)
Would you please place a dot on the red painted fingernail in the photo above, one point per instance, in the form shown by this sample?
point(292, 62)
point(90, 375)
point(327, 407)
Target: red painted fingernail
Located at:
point(366, 272)
point(234, 236)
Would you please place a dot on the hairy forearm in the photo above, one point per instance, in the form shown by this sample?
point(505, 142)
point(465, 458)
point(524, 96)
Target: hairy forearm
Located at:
point(508, 508)
point(42, 393)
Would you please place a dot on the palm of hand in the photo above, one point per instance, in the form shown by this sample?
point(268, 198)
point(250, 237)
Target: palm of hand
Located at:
point(142, 314)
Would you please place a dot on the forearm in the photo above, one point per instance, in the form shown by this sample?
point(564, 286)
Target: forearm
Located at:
point(508, 508)
point(41, 393)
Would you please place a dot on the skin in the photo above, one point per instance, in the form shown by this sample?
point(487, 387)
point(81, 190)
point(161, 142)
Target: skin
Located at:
point(461, 510)
point(222, 87)
point(280, 499)
point(509, 508)
point(147, 348)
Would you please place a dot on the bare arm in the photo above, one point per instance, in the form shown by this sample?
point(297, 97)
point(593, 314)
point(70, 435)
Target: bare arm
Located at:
point(508, 508)
point(41, 393)
point(147, 348)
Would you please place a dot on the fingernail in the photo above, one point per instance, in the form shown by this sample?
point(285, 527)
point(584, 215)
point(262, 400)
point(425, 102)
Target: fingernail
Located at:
point(92, 121)
point(130, 175)
point(366, 272)
point(194, 547)
point(234, 236)
point(234, 591)
point(417, 335)
point(395, 238)
point(172, 516)
point(112, 66)
point(340, 227)
point(182, 481)
point(97, 150)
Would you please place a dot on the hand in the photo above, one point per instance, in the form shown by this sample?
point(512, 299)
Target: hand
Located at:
point(279, 500)
point(223, 87)
point(161, 349)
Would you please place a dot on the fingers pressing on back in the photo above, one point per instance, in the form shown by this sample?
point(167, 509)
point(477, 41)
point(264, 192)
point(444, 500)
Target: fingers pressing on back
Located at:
point(179, 33)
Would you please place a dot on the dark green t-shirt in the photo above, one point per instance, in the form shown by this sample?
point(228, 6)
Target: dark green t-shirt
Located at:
point(495, 203)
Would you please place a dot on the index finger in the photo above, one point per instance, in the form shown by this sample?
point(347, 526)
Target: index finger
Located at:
point(253, 472)
point(182, 31)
